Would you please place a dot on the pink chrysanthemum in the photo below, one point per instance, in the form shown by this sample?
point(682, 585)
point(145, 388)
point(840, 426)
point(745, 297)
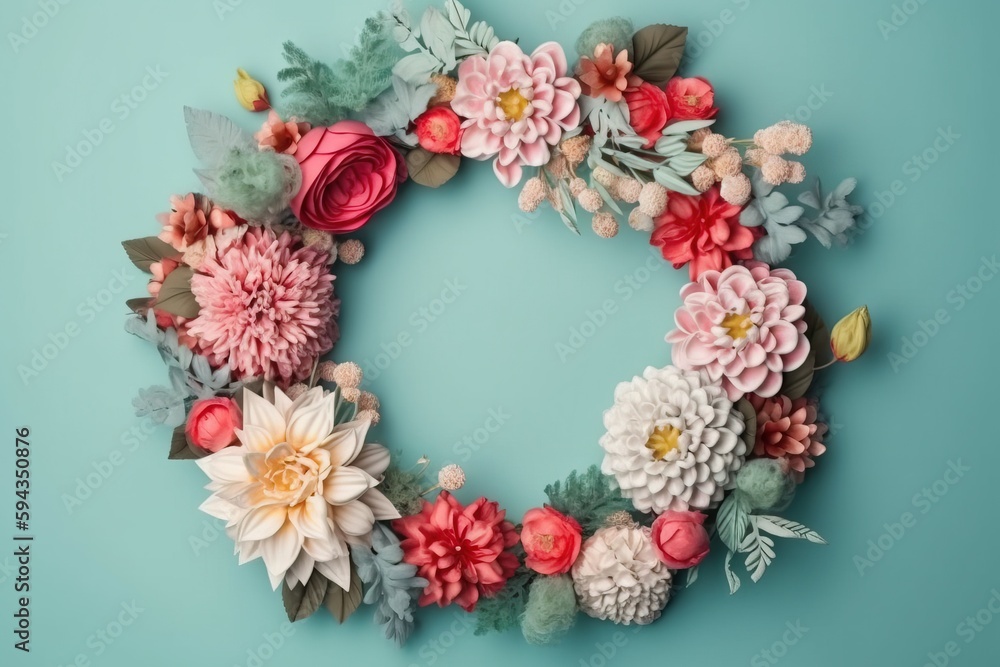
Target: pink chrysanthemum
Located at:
point(517, 106)
point(462, 552)
point(742, 326)
point(267, 307)
point(788, 430)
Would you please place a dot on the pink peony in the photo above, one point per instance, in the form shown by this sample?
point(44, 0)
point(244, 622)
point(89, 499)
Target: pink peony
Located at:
point(348, 174)
point(212, 423)
point(517, 106)
point(267, 307)
point(606, 75)
point(551, 540)
point(788, 430)
point(191, 219)
point(461, 551)
point(648, 110)
point(680, 539)
point(280, 136)
point(742, 326)
point(703, 231)
point(691, 99)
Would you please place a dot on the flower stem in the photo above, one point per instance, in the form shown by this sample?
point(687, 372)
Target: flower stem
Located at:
point(826, 365)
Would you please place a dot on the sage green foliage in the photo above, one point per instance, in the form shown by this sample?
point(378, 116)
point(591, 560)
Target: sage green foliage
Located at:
point(322, 95)
point(503, 611)
point(616, 31)
point(590, 498)
point(252, 183)
point(402, 488)
point(551, 609)
point(765, 484)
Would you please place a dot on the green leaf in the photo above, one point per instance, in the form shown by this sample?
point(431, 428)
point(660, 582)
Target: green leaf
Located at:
point(779, 527)
point(431, 170)
point(140, 305)
point(734, 581)
point(658, 52)
point(303, 601)
point(750, 419)
point(175, 295)
point(589, 498)
point(180, 448)
point(692, 576)
point(796, 383)
point(760, 552)
point(733, 520)
point(145, 251)
point(340, 603)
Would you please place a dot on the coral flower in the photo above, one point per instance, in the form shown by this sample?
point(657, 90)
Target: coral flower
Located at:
point(461, 551)
point(606, 75)
point(788, 430)
point(517, 106)
point(744, 326)
point(298, 489)
point(703, 231)
point(191, 219)
point(266, 307)
point(280, 136)
point(691, 99)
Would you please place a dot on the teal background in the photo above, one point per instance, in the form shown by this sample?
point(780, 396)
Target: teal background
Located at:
point(526, 283)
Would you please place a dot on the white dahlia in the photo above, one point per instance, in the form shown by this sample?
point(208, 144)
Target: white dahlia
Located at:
point(298, 489)
point(673, 440)
point(619, 578)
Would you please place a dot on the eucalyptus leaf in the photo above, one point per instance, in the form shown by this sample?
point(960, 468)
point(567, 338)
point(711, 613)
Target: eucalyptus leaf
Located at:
point(431, 170)
point(734, 581)
point(669, 179)
point(148, 250)
point(733, 520)
point(657, 52)
point(303, 601)
point(779, 527)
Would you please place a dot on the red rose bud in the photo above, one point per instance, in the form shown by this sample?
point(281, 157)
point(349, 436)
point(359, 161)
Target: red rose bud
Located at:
point(680, 539)
point(212, 423)
point(439, 130)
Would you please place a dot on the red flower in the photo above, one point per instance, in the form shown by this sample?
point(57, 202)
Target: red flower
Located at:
point(648, 110)
point(439, 130)
point(212, 423)
point(703, 230)
point(551, 540)
point(461, 551)
point(691, 99)
point(680, 539)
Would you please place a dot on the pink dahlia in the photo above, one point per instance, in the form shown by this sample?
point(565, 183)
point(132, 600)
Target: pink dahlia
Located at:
point(702, 231)
point(266, 307)
point(742, 326)
point(516, 106)
point(461, 551)
point(788, 430)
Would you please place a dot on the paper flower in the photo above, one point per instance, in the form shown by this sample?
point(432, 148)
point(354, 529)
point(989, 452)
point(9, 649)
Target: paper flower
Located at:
point(648, 111)
point(619, 578)
point(439, 130)
point(702, 231)
point(551, 540)
point(680, 539)
point(280, 136)
point(212, 423)
point(851, 335)
point(606, 75)
point(788, 430)
point(743, 327)
point(298, 490)
point(691, 99)
point(266, 307)
point(191, 219)
point(673, 440)
point(461, 551)
point(517, 106)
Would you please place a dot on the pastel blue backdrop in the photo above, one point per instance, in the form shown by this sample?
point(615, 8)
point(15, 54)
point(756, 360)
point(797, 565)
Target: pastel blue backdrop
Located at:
point(126, 570)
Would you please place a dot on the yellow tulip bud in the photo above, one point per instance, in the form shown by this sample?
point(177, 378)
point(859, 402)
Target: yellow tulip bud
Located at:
point(250, 93)
point(850, 337)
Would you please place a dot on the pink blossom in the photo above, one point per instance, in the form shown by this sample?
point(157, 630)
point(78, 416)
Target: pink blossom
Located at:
point(517, 106)
point(742, 326)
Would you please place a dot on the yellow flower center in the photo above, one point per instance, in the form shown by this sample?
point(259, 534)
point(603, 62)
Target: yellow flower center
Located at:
point(692, 100)
point(663, 441)
point(737, 324)
point(513, 104)
point(544, 542)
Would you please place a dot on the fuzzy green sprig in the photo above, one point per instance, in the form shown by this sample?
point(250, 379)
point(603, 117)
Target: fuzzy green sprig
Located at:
point(551, 609)
point(255, 184)
point(402, 488)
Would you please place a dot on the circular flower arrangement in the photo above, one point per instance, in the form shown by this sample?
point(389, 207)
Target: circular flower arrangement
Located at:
point(242, 307)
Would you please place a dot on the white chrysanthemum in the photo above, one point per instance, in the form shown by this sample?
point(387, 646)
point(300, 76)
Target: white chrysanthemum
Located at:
point(673, 440)
point(618, 576)
point(298, 490)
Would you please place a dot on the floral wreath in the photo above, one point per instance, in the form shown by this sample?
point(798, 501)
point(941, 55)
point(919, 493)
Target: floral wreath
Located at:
point(241, 306)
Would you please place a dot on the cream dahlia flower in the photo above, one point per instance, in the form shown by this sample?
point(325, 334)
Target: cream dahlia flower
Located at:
point(298, 489)
point(673, 440)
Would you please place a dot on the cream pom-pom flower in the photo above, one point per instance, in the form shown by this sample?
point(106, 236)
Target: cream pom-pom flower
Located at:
point(673, 440)
point(299, 488)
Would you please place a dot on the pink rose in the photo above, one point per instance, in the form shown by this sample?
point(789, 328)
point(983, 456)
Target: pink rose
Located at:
point(648, 111)
point(680, 539)
point(551, 541)
point(212, 423)
point(348, 174)
point(439, 130)
point(691, 99)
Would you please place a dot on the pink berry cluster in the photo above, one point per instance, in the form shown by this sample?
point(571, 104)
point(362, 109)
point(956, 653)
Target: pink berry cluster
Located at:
point(348, 377)
point(724, 165)
point(771, 145)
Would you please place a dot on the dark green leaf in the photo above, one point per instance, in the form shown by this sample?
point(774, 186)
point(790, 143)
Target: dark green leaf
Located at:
point(658, 51)
point(340, 603)
point(750, 418)
point(431, 170)
point(140, 305)
point(796, 383)
point(180, 448)
point(175, 295)
point(148, 250)
point(302, 601)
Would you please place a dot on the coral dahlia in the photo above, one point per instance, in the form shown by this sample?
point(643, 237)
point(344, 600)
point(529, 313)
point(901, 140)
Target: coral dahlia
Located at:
point(266, 307)
point(461, 551)
point(788, 430)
